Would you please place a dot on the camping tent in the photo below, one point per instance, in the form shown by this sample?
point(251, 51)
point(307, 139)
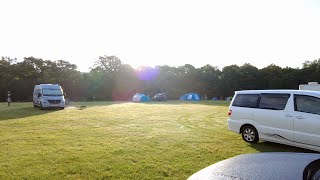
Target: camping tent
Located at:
point(190, 97)
point(140, 98)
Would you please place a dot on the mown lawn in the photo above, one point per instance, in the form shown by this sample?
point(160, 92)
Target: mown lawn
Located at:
point(114, 140)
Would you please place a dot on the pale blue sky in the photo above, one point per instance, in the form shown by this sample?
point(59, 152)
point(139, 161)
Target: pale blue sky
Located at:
point(172, 32)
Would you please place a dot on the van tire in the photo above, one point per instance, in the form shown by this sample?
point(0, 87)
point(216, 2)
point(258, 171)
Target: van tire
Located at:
point(41, 107)
point(249, 134)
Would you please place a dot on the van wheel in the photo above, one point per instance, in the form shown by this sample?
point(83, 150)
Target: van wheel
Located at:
point(250, 134)
point(34, 105)
point(41, 107)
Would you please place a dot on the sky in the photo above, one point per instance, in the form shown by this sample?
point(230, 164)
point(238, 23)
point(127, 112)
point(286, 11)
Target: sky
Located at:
point(166, 32)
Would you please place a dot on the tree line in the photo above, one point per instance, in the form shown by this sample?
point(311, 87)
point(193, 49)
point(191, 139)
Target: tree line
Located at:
point(110, 79)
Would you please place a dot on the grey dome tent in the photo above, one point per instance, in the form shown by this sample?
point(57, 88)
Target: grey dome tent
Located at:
point(140, 98)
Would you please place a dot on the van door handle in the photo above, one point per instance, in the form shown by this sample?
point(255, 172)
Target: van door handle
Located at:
point(299, 117)
point(288, 115)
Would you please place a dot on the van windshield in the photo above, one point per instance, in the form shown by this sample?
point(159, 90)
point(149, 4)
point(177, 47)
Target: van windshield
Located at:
point(52, 92)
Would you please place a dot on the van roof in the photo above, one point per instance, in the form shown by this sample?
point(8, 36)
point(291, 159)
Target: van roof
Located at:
point(305, 92)
point(49, 86)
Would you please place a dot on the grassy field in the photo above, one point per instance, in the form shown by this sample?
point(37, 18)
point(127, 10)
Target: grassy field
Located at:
point(114, 140)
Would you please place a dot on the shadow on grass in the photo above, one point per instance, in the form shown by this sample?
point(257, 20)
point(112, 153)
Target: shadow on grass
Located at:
point(95, 103)
point(177, 102)
point(21, 112)
point(275, 147)
point(169, 102)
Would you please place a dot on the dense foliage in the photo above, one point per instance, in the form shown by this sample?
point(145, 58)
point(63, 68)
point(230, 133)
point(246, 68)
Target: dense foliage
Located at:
point(110, 79)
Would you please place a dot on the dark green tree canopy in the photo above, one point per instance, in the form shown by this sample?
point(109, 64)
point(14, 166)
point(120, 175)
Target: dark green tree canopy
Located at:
point(111, 79)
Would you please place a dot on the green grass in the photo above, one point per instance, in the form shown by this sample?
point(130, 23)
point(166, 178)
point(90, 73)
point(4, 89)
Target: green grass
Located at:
point(108, 140)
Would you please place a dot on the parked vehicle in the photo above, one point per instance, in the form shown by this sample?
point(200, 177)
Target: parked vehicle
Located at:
point(289, 117)
point(312, 86)
point(48, 96)
point(160, 97)
point(293, 166)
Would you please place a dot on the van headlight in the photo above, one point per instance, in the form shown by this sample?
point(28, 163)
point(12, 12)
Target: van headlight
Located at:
point(44, 98)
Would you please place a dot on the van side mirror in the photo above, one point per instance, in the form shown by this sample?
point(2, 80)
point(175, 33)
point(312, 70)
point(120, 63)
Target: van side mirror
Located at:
point(64, 94)
point(39, 95)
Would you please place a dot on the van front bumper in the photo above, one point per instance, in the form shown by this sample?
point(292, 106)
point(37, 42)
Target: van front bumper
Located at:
point(47, 104)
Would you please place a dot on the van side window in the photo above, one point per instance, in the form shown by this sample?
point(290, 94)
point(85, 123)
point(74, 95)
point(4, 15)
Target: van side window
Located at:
point(307, 104)
point(246, 100)
point(273, 101)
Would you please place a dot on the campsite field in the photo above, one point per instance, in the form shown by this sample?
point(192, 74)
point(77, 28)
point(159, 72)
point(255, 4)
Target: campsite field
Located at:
point(118, 140)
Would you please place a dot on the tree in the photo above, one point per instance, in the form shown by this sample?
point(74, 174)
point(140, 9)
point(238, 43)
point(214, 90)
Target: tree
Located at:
point(230, 80)
point(108, 64)
point(271, 76)
point(211, 79)
point(110, 79)
point(311, 70)
point(6, 75)
point(250, 77)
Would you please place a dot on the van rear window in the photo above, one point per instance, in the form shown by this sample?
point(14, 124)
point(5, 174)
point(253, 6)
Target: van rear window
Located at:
point(307, 104)
point(246, 100)
point(273, 101)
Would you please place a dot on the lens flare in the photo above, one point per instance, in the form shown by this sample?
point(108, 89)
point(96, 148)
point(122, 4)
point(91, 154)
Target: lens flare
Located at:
point(147, 73)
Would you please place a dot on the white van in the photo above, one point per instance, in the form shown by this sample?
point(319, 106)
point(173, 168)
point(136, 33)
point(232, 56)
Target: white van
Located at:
point(48, 95)
point(289, 117)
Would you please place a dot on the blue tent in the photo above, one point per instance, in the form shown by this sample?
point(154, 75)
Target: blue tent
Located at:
point(190, 97)
point(140, 98)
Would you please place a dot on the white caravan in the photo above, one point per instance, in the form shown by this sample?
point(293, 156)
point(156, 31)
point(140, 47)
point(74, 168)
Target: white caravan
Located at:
point(48, 96)
point(311, 86)
point(289, 117)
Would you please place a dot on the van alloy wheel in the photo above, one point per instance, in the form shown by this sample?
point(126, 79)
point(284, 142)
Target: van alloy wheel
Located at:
point(250, 134)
